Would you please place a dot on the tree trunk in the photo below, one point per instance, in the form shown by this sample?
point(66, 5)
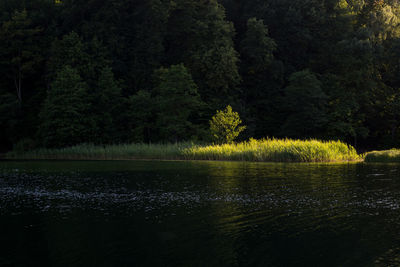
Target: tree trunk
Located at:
point(18, 85)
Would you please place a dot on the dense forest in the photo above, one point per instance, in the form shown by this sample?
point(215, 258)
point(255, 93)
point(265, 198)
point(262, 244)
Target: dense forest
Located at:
point(122, 71)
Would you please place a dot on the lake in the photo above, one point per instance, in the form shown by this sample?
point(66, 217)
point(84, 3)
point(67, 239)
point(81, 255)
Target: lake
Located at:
point(166, 213)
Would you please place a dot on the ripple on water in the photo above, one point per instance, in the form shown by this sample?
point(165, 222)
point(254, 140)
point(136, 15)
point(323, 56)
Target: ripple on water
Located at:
point(267, 204)
point(298, 204)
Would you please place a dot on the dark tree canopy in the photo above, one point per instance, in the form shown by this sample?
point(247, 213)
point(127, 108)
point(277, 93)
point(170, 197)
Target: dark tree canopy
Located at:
point(123, 71)
point(176, 100)
point(64, 114)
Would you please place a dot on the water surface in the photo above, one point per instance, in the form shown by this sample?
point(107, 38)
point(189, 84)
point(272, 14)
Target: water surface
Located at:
point(159, 213)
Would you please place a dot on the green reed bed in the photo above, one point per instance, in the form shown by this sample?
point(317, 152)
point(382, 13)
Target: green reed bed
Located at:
point(392, 155)
point(275, 150)
point(109, 152)
point(267, 150)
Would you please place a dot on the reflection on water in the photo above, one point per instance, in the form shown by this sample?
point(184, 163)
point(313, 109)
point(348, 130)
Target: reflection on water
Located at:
point(146, 213)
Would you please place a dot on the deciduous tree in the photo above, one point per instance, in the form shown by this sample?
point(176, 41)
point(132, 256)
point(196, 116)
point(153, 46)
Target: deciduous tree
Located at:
point(225, 125)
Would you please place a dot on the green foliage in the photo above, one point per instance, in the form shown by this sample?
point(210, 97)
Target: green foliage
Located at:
point(176, 99)
point(392, 155)
point(305, 106)
point(225, 126)
point(24, 145)
point(70, 50)
point(106, 107)
point(64, 113)
point(381, 18)
point(275, 150)
point(350, 49)
point(137, 117)
point(20, 53)
point(262, 79)
point(109, 152)
point(9, 108)
point(257, 46)
point(270, 150)
point(343, 111)
point(200, 37)
point(104, 94)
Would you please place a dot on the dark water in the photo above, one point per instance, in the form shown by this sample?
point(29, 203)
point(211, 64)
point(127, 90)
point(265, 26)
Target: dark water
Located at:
point(146, 213)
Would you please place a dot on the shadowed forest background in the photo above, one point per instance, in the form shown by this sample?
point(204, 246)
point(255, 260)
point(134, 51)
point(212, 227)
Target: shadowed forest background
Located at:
point(122, 71)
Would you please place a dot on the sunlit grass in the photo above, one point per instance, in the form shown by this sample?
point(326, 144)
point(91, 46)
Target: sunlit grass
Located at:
point(266, 150)
point(276, 150)
point(392, 155)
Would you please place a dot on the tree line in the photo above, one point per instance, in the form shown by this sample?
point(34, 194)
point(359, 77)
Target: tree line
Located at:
point(121, 71)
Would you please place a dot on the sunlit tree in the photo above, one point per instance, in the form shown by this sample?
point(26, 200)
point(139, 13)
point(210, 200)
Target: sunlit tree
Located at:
point(225, 125)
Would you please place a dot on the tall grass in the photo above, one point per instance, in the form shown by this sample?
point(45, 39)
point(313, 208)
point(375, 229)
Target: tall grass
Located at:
point(275, 150)
point(109, 152)
point(392, 155)
point(269, 150)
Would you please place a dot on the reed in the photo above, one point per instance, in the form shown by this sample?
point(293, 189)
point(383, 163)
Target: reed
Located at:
point(392, 155)
point(276, 150)
point(109, 152)
point(267, 150)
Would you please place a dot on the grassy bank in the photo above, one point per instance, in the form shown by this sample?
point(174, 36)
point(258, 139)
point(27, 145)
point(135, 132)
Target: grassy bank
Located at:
point(269, 150)
point(392, 155)
point(275, 150)
point(109, 152)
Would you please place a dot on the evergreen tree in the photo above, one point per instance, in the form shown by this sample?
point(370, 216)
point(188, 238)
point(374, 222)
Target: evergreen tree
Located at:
point(22, 50)
point(351, 49)
point(138, 118)
point(305, 106)
point(19, 51)
point(353, 79)
point(64, 117)
point(9, 114)
point(103, 92)
point(200, 37)
point(257, 47)
point(176, 100)
point(106, 107)
point(71, 51)
point(262, 80)
point(132, 31)
point(387, 99)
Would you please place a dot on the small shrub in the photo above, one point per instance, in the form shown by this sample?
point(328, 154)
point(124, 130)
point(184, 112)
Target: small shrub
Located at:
point(392, 155)
point(224, 126)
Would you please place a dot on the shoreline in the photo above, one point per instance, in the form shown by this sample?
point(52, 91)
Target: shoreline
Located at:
point(367, 159)
point(176, 160)
point(264, 150)
point(383, 156)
